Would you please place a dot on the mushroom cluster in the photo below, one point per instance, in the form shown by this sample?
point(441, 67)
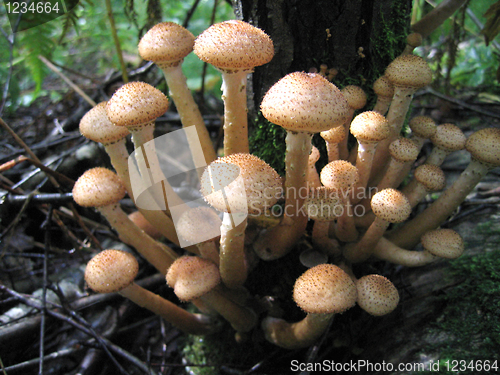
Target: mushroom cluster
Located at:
point(251, 214)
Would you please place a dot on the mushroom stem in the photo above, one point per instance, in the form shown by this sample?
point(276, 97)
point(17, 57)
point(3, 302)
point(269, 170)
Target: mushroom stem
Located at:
point(364, 161)
point(279, 240)
point(159, 255)
point(195, 324)
point(234, 95)
point(232, 262)
point(388, 251)
point(296, 335)
point(187, 108)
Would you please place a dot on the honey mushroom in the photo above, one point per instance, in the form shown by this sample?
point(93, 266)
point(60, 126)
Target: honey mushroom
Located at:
point(113, 271)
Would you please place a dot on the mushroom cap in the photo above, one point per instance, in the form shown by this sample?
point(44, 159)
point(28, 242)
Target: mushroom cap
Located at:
point(194, 224)
point(324, 289)
point(314, 155)
point(391, 205)
point(377, 295)
point(423, 126)
point(484, 146)
point(355, 96)
point(340, 175)
point(449, 137)
point(250, 184)
point(370, 126)
point(334, 135)
point(305, 102)
point(403, 150)
point(191, 277)
point(414, 40)
point(409, 71)
point(136, 103)
point(323, 204)
point(96, 126)
point(430, 176)
point(234, 45)
point(383, 87)
point(98, 187)
point(165, 43)
point(444, 243)
point(111, 271)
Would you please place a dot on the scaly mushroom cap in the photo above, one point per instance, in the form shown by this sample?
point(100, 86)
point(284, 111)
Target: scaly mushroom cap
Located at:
point(431, 177)
point(191, 277)
point(444, 243)
point(370, 126)
point(334, 135)
point(355, 96)
point(194, 224)
point(97, 127)
point(403, 150)
point(234, 45)
point(323, 204)
point(423, 126)
point(391, 205)
point(377, 295)
point(98, 187)
point(262, 184)
point(111, 271)
point(136, 103)
point(324, 289)
point(305, 102)
point(484, 146)
point(383, 87)
point(409, 71)
point(340, 175)
point(166, 43)
point(449, 137)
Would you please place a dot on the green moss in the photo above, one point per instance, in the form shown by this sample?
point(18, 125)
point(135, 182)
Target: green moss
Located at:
point(471, 319)
point(267, 141)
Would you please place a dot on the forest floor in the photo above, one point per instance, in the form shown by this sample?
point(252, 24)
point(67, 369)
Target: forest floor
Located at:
point(45, 309)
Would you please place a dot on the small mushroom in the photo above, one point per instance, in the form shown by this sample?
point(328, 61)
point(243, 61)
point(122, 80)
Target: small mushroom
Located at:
point(377, 295)
point(115, 270)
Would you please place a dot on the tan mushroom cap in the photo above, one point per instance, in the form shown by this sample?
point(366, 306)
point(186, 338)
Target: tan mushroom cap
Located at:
point(355, 96)
point(324, 289)
point(484, 146)
point(409, 71)
point(96, 126)
point(377, 295)
point(391, 205)
point(136, 103)
point(383, 87)
point(314, 155)
point(444, 243)
point(334, 135)
point(234, 45)
point(262, 184)
point(423, 126)
point(305, 102)
point(431, 177)
point(194, 224)
point(323, 204)
point(403, 150)
point(166, 43)
point(340, 175)
point(370, 126)
point(98, 187)
point(449, 137)
point(191, 277)
point(111, 271)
